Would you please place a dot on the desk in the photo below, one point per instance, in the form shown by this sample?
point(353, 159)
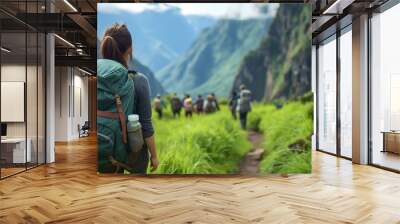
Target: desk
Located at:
point(13, 150)
point(391, 141)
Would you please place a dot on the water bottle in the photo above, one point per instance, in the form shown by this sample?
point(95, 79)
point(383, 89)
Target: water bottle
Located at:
point(135, 137)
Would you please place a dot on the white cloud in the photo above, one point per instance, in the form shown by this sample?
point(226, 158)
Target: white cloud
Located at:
point(216, 10)
point(131, 7)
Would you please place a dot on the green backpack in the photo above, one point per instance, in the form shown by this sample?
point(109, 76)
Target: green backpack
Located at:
point(115, 101)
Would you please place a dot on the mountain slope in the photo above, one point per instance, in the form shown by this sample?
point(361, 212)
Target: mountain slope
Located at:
point(155, 85)
point(212, 61)
point(200, 22)
point(281, 66)
point(156, 42)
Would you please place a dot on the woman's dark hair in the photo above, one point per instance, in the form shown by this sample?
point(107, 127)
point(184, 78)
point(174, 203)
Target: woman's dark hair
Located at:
point(116, 41)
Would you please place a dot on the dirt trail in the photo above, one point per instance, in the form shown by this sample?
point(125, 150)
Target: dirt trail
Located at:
point(250, 163)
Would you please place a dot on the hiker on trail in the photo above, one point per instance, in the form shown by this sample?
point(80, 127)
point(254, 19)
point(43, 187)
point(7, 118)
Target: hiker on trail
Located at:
point(233, 102)
point(188, 106)
point(209, 105)
point(176, 105)
point(199, 104)
point(215, 101)
point(158, 106)
point(244, 105)
point(183, 101)
point(125, 131)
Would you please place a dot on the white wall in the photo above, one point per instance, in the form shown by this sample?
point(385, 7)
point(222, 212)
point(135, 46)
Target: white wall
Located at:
point(79, 117)
point(62, 81)
point(70, 83)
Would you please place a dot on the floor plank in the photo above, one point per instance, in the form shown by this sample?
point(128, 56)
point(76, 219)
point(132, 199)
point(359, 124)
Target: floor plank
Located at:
point(70, 191)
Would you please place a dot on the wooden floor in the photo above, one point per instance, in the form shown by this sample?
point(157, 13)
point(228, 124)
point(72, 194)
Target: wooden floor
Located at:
point(70, 191)
point(10, 171)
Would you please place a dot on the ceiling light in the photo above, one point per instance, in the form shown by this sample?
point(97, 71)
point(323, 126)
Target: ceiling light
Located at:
point(70, 5)
point(5, 50)
point(64, 40)
point(79, 51)
point(84, 71)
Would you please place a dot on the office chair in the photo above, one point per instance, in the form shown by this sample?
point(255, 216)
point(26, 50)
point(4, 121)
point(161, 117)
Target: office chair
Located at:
point(84, 130)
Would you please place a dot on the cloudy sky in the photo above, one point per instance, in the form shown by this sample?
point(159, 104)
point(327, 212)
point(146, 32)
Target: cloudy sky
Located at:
point(217, 10)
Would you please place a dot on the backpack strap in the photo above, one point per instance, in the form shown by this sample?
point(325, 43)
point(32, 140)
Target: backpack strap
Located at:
point(108, 114)
point(117, 115)
point(131, 75)
point(122, 118)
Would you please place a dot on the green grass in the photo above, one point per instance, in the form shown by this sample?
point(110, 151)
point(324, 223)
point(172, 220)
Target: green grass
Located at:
point(215, 144)
point(204, 144)
point(287, 136)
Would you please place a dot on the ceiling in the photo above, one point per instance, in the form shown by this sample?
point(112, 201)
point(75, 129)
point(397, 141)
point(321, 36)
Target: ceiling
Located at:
point(331, 15)
point(74, 22)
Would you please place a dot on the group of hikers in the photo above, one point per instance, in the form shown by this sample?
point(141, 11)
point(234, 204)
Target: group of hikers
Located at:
point(238, 103)
point(201, 105)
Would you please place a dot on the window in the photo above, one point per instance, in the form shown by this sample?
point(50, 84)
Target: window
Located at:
point(327, 96)
point(346, 93)
point(385, 88)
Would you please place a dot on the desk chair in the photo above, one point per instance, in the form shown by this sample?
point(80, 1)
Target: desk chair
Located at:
point(84, 130)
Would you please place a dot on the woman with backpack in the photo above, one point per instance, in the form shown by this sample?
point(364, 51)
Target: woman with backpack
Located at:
point(122, 96)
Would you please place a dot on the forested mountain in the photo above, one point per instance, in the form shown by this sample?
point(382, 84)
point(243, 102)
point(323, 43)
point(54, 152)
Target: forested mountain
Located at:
point(212, 62)
point(271, 55)
point(198, 22)
point(155, 86)
point(156, 42)
point(281, 66)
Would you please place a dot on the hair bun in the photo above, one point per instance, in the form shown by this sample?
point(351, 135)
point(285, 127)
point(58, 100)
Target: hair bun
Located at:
point(116, 41)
